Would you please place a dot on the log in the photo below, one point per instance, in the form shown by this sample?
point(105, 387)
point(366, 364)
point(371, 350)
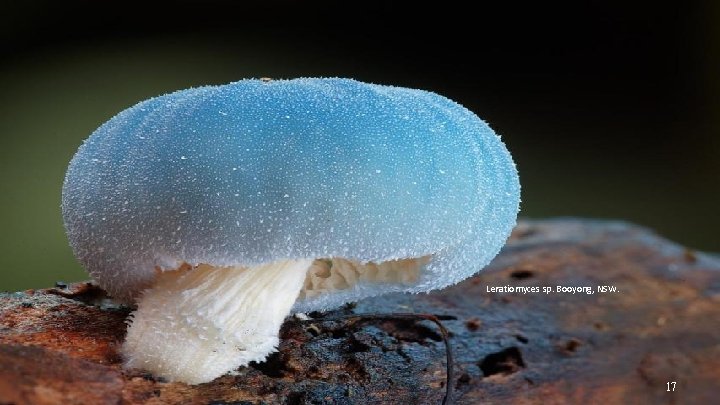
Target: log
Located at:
point(655, 338)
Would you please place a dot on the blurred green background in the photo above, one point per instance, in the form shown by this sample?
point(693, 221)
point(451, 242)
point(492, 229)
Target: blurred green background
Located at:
point(610, 109)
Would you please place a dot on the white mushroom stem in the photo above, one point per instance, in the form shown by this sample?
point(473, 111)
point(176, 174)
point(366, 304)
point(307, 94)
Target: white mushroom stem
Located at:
point(193, 326)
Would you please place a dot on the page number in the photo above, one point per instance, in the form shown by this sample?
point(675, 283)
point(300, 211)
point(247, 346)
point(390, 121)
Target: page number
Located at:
point(671, 384)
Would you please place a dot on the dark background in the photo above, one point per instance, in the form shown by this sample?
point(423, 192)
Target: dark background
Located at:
point(609, 107)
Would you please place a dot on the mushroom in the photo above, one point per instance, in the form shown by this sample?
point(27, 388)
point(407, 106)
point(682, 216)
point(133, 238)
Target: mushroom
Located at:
point(221, 210)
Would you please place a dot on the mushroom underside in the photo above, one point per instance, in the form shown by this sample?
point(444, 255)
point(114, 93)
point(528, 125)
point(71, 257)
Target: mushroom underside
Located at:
point(328, 275)
point(197, 323)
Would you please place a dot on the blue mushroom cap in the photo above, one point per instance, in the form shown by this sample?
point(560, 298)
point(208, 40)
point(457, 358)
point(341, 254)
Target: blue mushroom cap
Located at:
point(256, 171)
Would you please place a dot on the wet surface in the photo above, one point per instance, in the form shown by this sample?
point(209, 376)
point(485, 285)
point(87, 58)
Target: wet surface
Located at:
point(59, 345)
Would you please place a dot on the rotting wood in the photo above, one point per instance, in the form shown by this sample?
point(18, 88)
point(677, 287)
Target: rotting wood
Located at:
point(59, 345)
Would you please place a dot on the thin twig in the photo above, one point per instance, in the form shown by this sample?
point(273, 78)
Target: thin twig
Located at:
point(450, 366)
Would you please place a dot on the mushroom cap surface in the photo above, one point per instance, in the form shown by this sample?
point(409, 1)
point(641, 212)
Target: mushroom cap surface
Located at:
point(255, 171)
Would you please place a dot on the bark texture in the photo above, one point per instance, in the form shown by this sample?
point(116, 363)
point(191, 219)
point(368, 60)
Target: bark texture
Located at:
point(59, 345)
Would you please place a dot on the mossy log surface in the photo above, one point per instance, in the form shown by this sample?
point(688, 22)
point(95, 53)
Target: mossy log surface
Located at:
point(60, 345)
